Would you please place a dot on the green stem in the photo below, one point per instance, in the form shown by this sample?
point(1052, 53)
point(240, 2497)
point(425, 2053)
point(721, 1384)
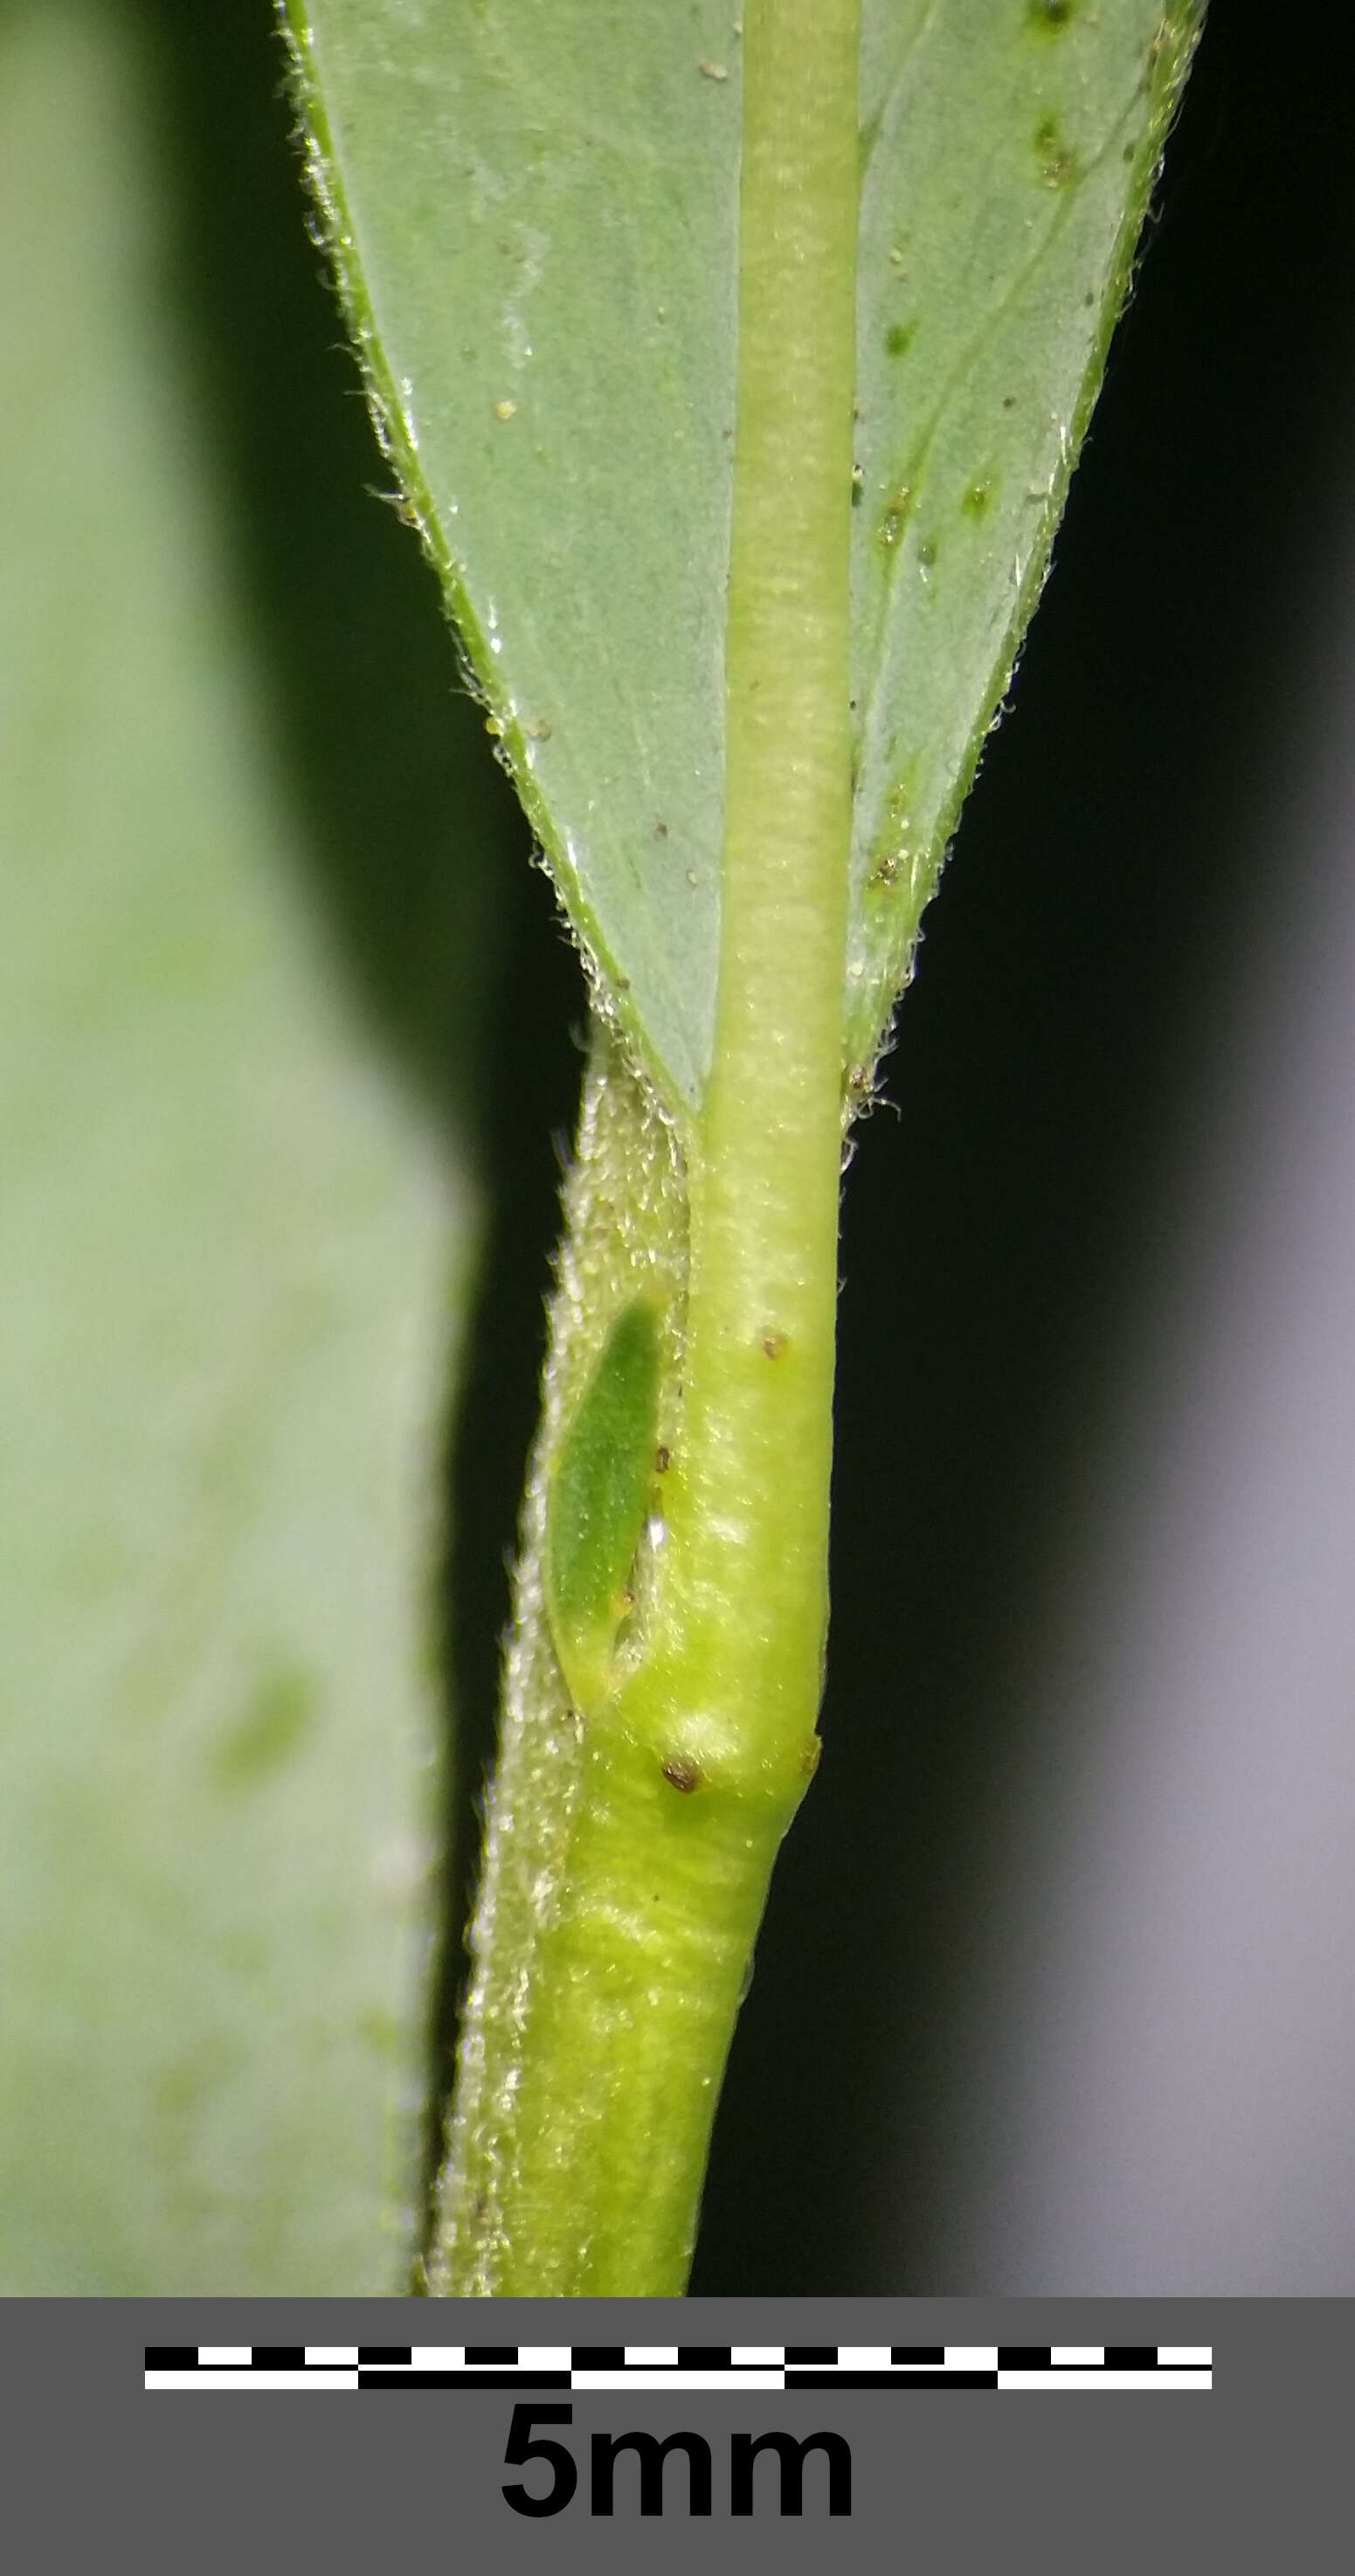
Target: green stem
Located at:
point(583, 2174)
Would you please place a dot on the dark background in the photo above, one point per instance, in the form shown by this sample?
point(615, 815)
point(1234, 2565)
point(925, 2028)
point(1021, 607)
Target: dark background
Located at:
point(1047, 1062)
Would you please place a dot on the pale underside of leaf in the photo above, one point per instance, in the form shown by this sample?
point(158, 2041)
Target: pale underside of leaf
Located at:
point(534, 214)
point(1009, 151)
point(535, 217)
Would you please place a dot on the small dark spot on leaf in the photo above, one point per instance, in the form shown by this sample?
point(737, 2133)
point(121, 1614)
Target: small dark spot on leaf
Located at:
point(662, 1461)
point(1050, 17)
point(977, 499)
point(273, 1728)
point(682, 1773)
point(858, 486)
point(899, 338)
point(926, 553)
point(774, 1345)
point(1007, 401)
point(1056, 162)
point(380, 2031)
point(809, 1759)
point(895, 518)
point(660, 831)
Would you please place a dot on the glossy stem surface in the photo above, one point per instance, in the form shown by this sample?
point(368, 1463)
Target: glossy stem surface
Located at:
point(691, 1767)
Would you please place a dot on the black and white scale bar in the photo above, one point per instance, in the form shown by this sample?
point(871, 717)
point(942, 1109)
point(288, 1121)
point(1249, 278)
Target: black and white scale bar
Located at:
point(521, 2369)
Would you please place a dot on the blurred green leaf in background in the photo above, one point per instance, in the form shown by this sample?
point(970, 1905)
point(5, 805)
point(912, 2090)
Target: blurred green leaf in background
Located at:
point(248, 918)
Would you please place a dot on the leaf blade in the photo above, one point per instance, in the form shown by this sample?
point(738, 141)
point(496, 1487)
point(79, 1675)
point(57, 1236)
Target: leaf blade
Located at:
point(563, 439)
point(556, 387)
point(229, 1241)
point(1011, 156)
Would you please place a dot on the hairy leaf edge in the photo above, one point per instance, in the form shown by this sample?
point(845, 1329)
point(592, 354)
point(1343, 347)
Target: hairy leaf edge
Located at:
point(868, 1032)
point(869, 1038)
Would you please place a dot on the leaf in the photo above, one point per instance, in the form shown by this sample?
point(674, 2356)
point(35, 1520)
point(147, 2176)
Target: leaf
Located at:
point(534, 213)
point(229, 1234)
point(1009, 154)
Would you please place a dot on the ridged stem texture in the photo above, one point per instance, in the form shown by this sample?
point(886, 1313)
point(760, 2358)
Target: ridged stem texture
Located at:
point(632, 1837)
